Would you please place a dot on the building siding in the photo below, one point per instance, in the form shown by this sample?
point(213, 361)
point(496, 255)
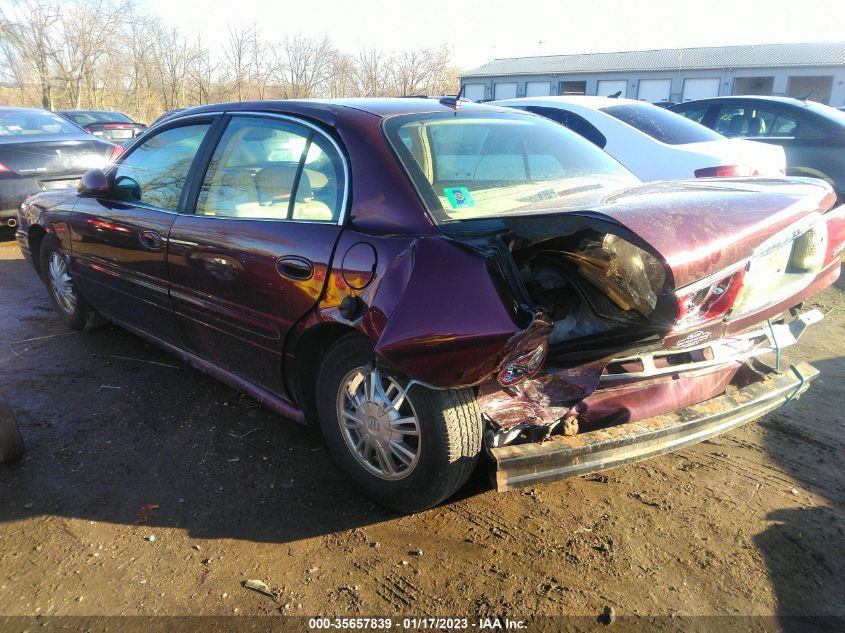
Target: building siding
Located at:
point(521, 73)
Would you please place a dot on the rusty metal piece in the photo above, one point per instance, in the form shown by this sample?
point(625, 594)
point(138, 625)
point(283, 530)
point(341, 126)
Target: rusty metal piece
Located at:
point(527, 464)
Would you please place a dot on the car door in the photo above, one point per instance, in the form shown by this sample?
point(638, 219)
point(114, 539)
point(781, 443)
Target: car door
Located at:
point(120, 241)
point(253, 257)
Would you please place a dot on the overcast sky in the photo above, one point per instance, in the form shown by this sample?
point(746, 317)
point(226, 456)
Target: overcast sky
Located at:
point(480, 30)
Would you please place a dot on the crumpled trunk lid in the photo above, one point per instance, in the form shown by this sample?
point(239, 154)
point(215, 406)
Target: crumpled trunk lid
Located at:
point(696, 227)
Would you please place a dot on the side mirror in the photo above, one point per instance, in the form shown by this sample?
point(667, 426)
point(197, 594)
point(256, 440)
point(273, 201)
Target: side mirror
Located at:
point(93, 184)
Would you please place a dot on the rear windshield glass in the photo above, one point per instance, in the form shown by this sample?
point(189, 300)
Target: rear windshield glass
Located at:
point(470, 165)
point(87, 118)
point(34, 122)
point(831, 114)
point(667, 127)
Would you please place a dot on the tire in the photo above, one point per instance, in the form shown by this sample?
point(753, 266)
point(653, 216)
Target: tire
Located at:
point(75, 312)
point(11, 442)
point(448, 425)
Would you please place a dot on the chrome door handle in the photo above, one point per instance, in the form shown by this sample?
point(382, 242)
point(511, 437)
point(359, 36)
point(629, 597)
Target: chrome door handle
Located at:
point(295, 267)
point(150, 240)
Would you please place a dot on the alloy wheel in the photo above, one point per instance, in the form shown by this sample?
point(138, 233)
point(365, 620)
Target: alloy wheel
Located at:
point(378, 423)
point(61, 283)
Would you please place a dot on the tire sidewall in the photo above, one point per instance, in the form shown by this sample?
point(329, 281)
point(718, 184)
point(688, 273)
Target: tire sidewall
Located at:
point(423, 486)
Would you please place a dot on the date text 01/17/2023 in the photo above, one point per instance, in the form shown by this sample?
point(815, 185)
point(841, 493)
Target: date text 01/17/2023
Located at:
point(415, 623)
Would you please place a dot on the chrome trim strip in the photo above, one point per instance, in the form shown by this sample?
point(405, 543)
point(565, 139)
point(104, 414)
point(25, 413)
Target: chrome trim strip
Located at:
point(733, 349)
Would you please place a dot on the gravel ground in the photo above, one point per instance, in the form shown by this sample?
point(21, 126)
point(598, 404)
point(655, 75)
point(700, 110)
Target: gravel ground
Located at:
point(147, 488)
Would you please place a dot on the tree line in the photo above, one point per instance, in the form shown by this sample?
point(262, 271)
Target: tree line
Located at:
point(114, 55)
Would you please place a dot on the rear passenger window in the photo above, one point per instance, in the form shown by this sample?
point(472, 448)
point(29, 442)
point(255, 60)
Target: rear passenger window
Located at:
point(742, 122)
point(272, 169)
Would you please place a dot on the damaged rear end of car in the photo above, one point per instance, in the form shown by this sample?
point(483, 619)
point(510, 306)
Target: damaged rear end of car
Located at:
point(640, 315)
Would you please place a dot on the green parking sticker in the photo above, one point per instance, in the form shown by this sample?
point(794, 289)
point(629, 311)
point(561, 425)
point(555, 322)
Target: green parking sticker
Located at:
point(459, 197)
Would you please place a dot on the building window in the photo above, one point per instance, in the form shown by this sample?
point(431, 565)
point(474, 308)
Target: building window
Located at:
point(812, 88)
point(573, 87)
point(754, 85)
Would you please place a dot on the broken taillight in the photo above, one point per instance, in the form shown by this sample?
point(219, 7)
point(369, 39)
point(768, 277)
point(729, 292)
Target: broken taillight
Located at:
point(709, 302)
point(523, 366)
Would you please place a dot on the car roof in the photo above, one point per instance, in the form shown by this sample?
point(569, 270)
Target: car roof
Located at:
point(20, 109)
point(750, 98)
point(86, 111)
point(586, 101)
point(380, 107)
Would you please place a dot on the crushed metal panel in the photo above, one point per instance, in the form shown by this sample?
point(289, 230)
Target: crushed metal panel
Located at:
point(526, 464)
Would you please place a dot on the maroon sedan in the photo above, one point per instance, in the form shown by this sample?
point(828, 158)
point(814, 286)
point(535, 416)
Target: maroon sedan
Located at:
point(431, 280)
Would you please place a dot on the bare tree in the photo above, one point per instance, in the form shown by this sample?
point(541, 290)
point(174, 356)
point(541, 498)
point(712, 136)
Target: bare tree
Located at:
point(304, 66)
point(114, 54)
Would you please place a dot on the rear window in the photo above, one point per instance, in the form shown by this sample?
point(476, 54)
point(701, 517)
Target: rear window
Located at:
point(33, 123)
point(87, 118)
point(662, 125)
point(471, 165)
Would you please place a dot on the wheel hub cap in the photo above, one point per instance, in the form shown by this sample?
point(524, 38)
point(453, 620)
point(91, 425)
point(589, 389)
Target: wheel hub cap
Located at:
point(378, 423)
point(61, 283)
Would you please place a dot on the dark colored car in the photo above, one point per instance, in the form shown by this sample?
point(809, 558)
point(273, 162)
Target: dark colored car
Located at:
point(106, 124)
point(429, 282)
point(167, 115)
point(812, 135)
point(39, 151)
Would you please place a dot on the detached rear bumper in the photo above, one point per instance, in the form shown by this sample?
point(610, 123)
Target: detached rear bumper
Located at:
point(567, 456)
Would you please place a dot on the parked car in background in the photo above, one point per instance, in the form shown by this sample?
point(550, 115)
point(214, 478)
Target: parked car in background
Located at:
point(811, 134)
point(653, 143)
point(427, 279)
point(40, 150)
point(106, 124)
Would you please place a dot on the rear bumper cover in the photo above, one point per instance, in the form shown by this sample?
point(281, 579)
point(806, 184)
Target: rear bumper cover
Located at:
point(566, 456)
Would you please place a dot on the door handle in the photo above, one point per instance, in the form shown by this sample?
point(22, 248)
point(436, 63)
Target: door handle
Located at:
point(295, 267)
point(150, 240)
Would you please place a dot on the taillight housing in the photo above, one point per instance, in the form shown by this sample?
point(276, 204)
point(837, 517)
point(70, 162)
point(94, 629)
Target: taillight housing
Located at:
point(725, 171)
point(116, 151)
point(523, 366)
point(4, 169)
point(710, 302)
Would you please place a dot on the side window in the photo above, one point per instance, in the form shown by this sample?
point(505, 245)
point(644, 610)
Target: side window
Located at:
point(739, 122)
point(272, 169)
point(574, 122)
point(694, 114)
point(154, 173)
point(783, 126)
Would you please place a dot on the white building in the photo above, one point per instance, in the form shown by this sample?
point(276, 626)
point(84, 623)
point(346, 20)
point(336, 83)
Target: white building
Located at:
point(814, 70)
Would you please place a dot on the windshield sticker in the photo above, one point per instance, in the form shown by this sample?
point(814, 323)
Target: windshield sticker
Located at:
point(459, 197)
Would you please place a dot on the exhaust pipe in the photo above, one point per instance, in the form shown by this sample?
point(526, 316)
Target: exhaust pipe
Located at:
point(11, 222)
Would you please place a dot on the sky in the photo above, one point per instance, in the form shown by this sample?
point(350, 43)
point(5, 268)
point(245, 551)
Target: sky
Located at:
point(477, 31)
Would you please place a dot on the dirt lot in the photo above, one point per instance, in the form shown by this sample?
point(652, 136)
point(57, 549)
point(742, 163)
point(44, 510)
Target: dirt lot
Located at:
point(148, 488)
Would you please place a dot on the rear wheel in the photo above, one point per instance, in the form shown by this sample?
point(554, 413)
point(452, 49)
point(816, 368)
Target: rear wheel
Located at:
point(406, 447)
point(71, 306)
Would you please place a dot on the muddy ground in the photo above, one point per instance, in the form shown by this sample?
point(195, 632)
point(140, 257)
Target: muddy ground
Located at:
point(148, 488)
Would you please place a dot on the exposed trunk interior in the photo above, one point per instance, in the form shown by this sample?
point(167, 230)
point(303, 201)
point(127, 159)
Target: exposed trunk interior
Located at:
point(603, 293)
